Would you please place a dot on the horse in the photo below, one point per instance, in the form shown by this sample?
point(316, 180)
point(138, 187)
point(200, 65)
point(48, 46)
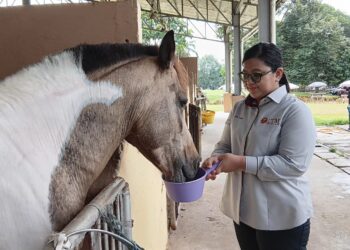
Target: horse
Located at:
point(63, 119)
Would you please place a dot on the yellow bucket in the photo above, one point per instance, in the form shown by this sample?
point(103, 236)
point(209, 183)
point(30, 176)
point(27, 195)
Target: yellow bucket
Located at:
point(208, 116)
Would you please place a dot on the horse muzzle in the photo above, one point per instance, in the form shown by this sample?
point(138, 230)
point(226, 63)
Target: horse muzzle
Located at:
point(187, 172)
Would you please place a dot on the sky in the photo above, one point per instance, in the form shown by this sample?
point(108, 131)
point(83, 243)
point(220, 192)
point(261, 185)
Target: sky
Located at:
point(217, 49)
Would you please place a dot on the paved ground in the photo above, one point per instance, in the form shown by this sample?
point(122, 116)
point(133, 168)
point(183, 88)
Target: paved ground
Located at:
point(334, 146)
point(202, 226)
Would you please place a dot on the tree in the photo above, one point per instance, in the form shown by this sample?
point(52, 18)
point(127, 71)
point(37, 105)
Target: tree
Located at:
point(210, 74)
point(157, 27)
point(315, 40)
point(314, 44)
point(254, 39)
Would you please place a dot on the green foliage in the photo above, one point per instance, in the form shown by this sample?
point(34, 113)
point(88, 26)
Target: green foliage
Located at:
point(315, 40)
point(210, 73)
point(251, 41)
point(332, 150)
point(215, 99)
point(157, 27)
point(302, 94)
point(254, 39)
point(326, 121)
point(214, 96)
point(314, 37)
point(314, 43)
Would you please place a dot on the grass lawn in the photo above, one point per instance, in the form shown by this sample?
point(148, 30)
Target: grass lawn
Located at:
point(216, 107)
point(324, 113)
point(329, 114)
point(215, 96)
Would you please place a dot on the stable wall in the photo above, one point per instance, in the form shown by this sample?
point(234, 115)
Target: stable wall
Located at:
point(148, 199)
point(230, 100)
point(31, 32)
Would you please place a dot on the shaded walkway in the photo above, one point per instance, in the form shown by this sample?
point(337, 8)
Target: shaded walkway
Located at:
point(201, 225)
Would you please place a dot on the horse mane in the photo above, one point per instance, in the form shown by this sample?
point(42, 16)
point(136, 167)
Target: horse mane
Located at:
point(94, 57)
point(89, 57)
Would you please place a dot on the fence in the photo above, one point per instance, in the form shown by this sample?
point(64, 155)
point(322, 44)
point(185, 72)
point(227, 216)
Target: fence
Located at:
point(109, 210)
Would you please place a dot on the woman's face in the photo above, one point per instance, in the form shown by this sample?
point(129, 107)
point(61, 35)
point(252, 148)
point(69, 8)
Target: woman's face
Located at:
point(259, 79)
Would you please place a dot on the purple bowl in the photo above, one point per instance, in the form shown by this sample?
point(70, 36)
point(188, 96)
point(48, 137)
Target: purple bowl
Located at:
point(190, 190)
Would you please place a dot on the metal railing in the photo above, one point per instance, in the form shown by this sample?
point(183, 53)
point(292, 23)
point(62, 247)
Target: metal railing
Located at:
point(109, 212)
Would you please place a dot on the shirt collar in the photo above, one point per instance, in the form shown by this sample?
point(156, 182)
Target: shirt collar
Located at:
point(278, 94)
point(275, 96)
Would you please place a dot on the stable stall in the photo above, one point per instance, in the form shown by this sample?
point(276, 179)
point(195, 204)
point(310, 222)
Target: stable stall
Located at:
point(30, 32)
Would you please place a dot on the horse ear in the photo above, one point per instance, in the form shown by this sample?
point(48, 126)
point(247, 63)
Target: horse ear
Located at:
point(166, 50)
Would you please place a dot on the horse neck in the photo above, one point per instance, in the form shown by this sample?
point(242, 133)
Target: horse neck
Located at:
point(134, 78)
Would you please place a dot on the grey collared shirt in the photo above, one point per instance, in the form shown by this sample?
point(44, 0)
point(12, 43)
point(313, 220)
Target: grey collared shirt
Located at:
point(277, 137)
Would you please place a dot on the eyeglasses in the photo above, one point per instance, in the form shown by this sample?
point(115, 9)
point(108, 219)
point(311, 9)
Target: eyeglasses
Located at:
point(254, 77)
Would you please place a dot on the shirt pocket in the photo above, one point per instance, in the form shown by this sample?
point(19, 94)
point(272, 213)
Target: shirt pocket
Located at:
point(266, 139)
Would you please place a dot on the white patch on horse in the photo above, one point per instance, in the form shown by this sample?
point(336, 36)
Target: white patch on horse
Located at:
point(39, 107)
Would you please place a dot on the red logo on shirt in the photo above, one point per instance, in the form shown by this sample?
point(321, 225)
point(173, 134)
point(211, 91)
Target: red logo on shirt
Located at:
point(270, 121)
point(264, 120)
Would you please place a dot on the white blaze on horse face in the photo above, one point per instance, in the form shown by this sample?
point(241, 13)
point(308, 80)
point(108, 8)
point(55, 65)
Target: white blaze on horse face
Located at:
point(39, 108)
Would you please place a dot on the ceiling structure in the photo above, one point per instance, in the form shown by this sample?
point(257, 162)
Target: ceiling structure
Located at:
point(209, 11)
point(213, 11)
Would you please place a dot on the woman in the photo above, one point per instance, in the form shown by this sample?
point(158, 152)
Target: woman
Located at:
point(266, 148)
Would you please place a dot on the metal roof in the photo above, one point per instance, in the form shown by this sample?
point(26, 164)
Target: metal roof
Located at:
point(210, 11)
point(214, 11)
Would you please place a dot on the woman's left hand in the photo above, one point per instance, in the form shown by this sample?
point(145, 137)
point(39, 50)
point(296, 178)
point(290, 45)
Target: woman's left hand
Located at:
point(228, 163)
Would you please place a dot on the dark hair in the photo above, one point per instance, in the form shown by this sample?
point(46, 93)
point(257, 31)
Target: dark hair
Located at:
point(271, 55)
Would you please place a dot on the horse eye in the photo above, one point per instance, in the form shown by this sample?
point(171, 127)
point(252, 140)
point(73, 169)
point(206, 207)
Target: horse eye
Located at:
point(183, 102)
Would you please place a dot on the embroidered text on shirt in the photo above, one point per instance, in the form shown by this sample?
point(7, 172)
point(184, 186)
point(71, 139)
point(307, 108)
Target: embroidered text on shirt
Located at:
point(270, 121)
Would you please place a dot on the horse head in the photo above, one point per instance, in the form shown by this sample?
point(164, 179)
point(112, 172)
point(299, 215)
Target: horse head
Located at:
point(62, 120)
point(161, 132)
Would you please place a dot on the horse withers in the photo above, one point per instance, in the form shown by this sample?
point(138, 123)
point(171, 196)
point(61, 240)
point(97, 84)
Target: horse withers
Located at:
point(63, 119)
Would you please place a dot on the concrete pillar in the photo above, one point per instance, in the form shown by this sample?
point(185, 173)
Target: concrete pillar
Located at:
point(273, 21)
point(228, 60)
point(267, 23)
point(237, 52)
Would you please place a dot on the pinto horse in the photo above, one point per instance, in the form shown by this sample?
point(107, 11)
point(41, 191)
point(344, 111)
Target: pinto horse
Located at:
point(63, 119)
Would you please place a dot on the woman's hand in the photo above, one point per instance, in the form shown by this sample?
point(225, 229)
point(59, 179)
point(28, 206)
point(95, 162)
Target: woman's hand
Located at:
point(228, 163)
